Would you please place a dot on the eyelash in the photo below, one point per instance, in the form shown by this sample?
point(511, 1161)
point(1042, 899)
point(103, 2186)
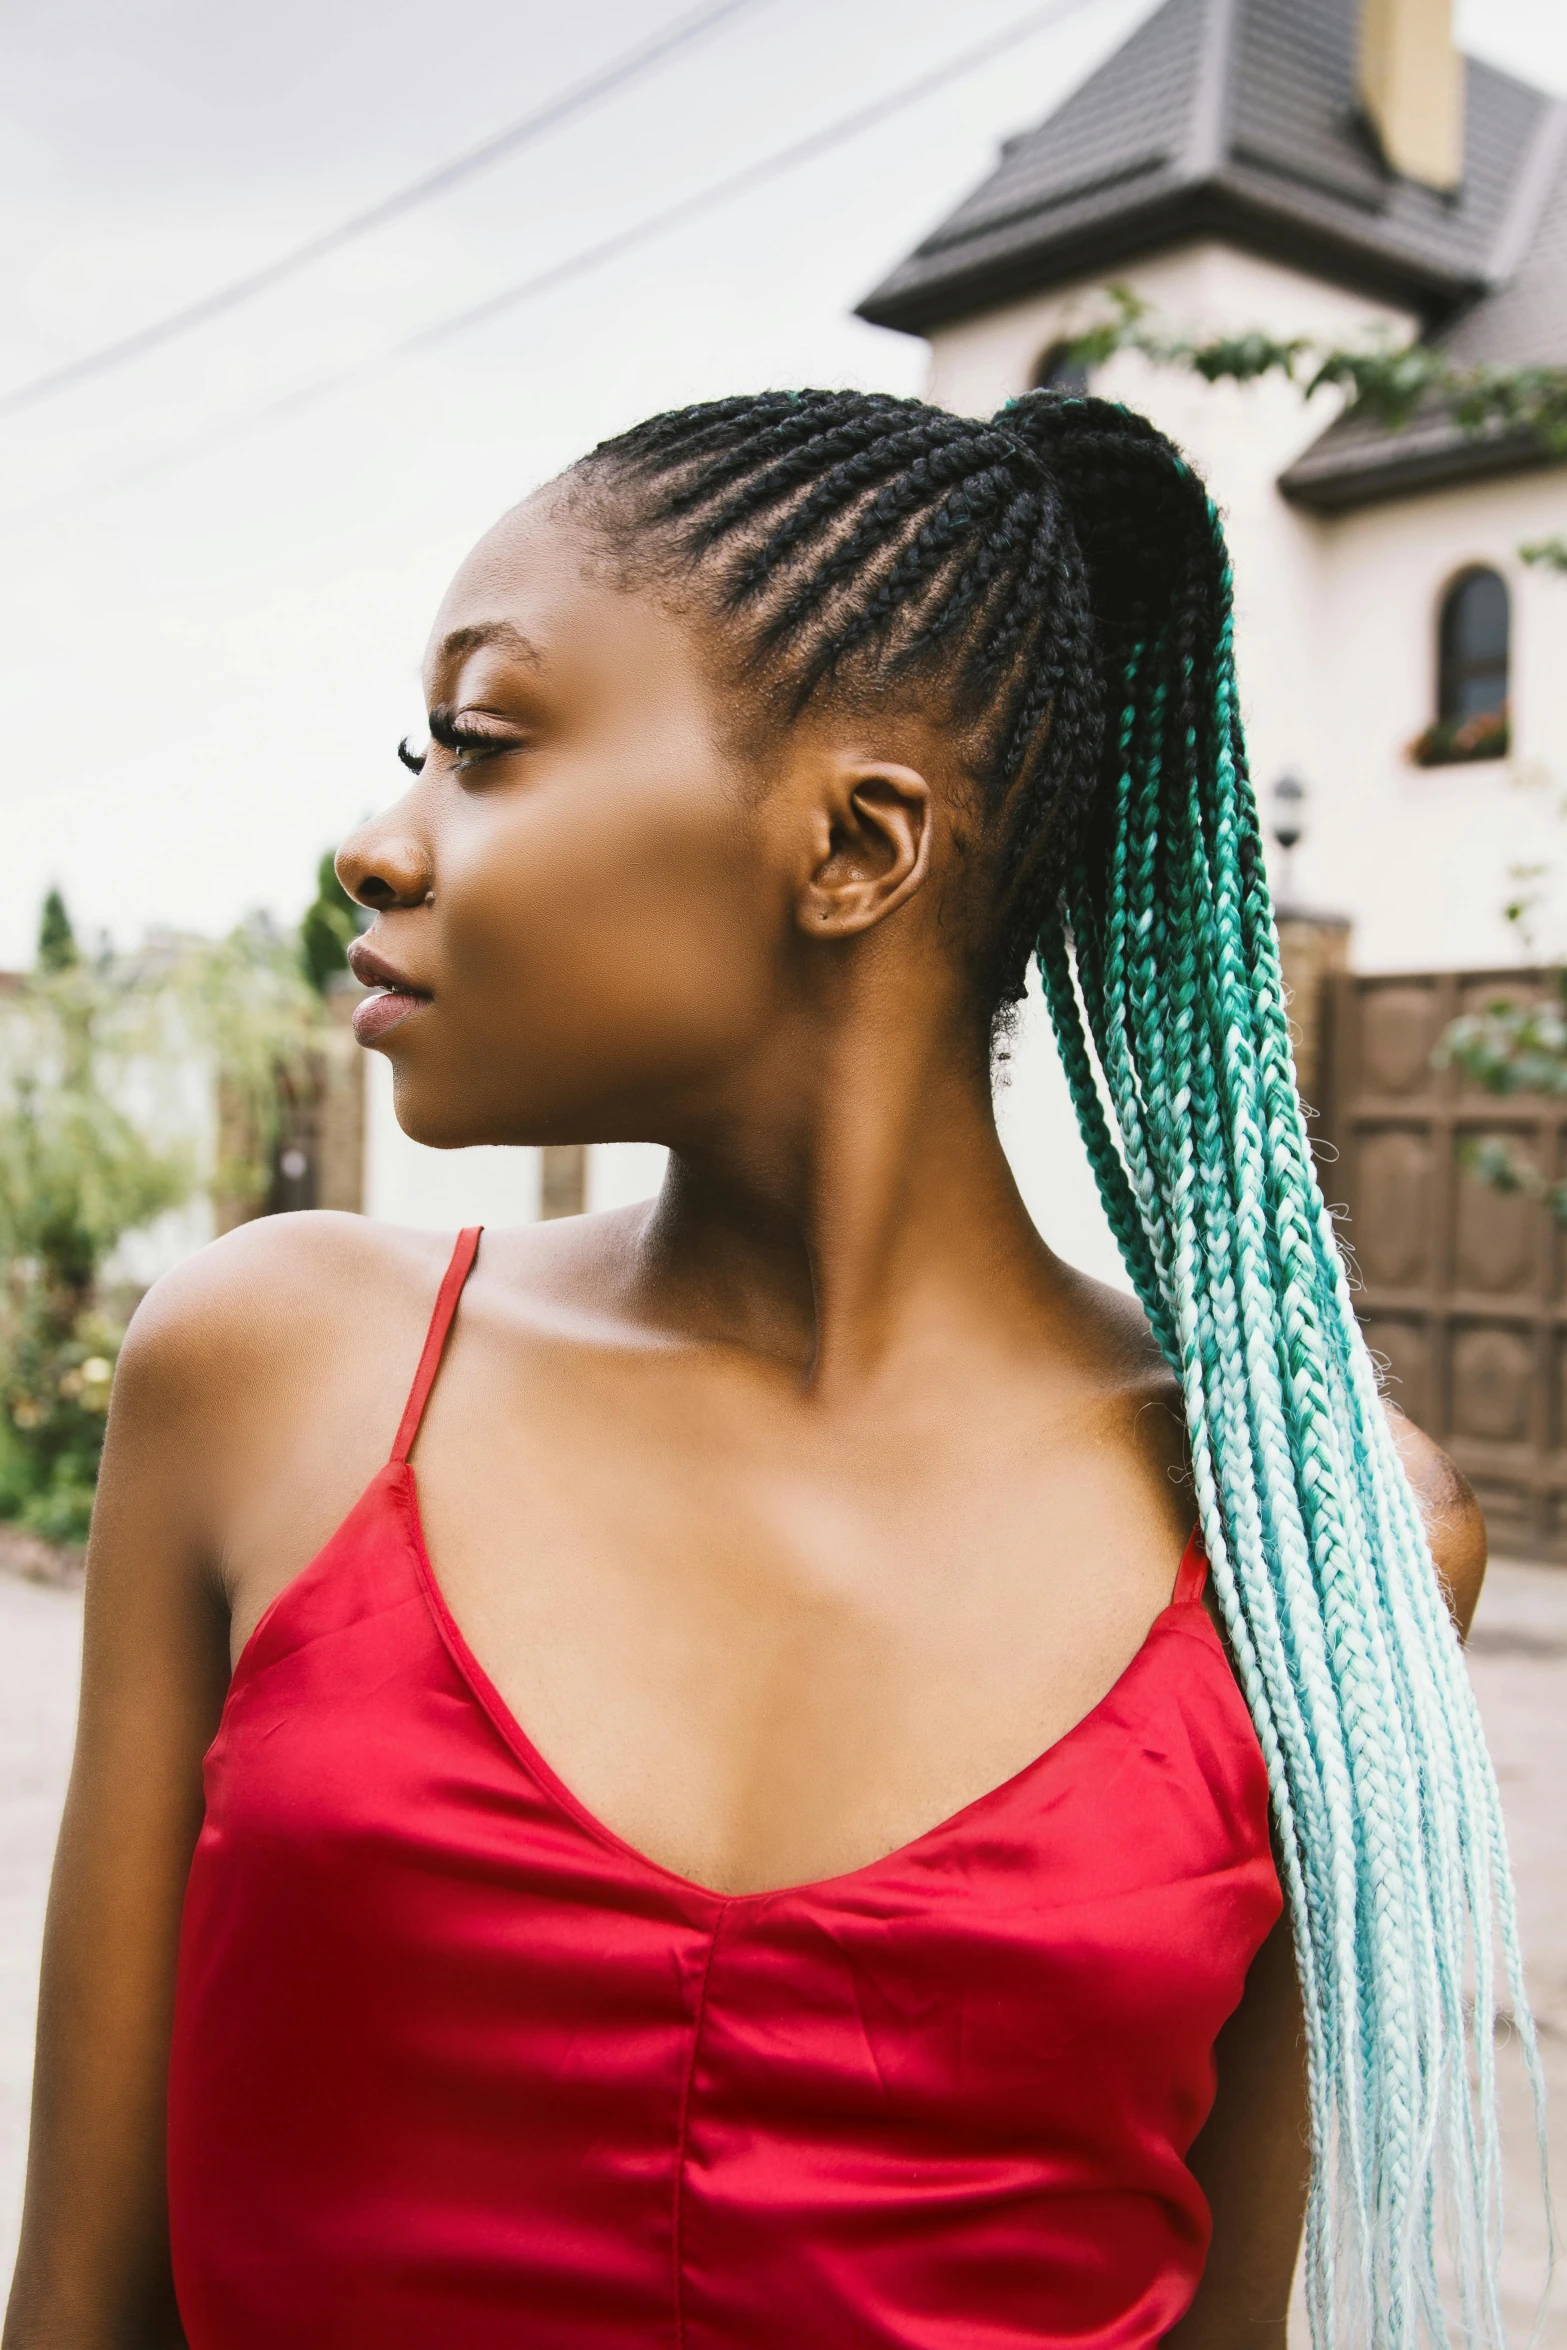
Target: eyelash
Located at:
point(468, 745)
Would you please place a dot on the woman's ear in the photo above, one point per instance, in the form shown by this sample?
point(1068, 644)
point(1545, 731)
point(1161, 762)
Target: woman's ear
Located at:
point(872, 850)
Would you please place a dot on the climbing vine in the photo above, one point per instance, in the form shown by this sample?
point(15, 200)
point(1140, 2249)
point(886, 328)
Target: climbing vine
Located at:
point(1385, 380)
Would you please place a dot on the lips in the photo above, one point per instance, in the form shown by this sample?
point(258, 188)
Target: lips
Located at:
point(392, 1000)
point(380, 1013)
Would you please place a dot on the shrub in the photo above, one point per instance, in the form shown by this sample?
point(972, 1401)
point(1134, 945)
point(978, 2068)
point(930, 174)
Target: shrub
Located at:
point(93, 1059)
point(54, 1395)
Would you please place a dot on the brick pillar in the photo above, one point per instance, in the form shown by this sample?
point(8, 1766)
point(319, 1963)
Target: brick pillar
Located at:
point(563, 1187)
point(340, 1126)
point(318, 1156)
point(1312, 948)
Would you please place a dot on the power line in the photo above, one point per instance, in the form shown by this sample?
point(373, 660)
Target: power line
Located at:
point(581, 264)
point(751, 175)
point(579, 99)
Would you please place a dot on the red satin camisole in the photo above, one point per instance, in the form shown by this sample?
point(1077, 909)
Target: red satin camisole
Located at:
point(455, 2068)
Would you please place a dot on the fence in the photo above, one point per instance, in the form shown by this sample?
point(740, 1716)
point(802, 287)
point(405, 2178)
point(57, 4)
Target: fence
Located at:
point(1463, 1288)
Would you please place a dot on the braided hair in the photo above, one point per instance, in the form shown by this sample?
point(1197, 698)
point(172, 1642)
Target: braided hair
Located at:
point(1058, 578)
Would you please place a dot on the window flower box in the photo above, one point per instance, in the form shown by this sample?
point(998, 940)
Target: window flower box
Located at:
point(1448, 742)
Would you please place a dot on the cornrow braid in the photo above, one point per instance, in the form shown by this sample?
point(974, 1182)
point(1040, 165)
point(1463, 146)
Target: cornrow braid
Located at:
point(1059, 577)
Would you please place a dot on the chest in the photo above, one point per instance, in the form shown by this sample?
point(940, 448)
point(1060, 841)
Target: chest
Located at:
point(768, 1645)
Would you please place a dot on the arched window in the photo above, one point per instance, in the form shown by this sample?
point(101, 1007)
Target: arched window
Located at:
point(1472, 648)
point(1057, 371)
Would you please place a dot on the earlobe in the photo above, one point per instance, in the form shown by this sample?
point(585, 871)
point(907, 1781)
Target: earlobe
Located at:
point(875, 852)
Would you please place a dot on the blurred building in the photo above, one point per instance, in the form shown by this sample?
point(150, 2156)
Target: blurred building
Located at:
point(1334, 170)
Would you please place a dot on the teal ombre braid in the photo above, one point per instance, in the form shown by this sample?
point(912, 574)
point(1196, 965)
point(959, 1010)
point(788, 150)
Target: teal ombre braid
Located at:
point(1388, 1819)
point(1057, 579)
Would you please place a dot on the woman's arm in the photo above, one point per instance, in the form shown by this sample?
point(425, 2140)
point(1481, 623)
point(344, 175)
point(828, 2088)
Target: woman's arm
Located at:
point(94, 2263)
point(238, 1437)
point(1253, 2159)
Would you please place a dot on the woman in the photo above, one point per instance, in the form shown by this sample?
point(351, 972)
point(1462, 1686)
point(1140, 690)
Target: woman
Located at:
point(772, 1841)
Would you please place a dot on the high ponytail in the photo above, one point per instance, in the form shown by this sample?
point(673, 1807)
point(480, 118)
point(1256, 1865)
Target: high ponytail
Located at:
point(1388, 1821)
point(1060, 575)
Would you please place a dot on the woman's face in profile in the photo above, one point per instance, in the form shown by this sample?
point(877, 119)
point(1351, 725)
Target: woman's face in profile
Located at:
point(579, 889)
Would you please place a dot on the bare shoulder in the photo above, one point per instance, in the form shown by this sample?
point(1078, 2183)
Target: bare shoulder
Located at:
point(1119, 1339)
point(278, 1265)
point(256, 1396)
point(285, 1295)
point(1455, 1525)
point(268, 1346)
point(264, 1289)
point(1115, 1347)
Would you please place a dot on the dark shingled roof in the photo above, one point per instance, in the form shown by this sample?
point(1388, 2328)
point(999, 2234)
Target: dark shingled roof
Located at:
point(1523, 323)
point(1239, 119)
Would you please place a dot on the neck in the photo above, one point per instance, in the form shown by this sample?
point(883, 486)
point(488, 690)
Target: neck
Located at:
point(864, 1208)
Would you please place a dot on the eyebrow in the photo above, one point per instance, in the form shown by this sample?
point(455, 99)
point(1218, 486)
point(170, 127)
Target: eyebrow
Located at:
point(491, 632)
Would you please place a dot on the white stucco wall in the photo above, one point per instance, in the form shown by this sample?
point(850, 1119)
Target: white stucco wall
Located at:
point(621, 1173)
point(1420, 857)
point(1039, 1134)
point(172, 1099)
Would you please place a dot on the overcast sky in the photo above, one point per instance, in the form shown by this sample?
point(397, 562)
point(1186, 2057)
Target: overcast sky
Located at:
point(211, 627)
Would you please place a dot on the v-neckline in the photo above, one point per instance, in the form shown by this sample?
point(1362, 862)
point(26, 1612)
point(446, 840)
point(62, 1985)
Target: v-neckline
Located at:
point(488, 1697)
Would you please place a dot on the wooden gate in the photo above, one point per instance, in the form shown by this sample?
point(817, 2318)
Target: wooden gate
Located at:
point(1462, 1291)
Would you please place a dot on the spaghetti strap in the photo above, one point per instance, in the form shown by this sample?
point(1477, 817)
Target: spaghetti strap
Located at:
point(457, 1271)
point(1191, 1576)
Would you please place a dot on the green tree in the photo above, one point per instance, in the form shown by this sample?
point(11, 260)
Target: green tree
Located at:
point(75, 1177)
point(102, 1131)
point(331, 923)
point(57, 948)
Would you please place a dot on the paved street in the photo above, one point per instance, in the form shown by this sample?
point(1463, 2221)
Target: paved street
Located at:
point(1518, 1653)
point(40, 1642)
point(1519, 1657)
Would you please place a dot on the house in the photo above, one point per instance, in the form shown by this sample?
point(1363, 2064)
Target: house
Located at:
point(1334, 169)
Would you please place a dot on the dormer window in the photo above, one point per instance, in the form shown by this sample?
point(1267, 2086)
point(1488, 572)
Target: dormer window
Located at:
point(1472, 640)
point(1472, 648)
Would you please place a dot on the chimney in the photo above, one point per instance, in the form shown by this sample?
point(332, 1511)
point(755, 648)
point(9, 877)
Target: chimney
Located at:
point(1412, 87)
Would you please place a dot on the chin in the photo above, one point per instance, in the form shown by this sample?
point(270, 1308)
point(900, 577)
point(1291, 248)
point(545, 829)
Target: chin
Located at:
point(427, 1115)
point(434, 1116)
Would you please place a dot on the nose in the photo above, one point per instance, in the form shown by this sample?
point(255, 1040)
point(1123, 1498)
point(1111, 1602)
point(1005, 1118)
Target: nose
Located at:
point(385, 864)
